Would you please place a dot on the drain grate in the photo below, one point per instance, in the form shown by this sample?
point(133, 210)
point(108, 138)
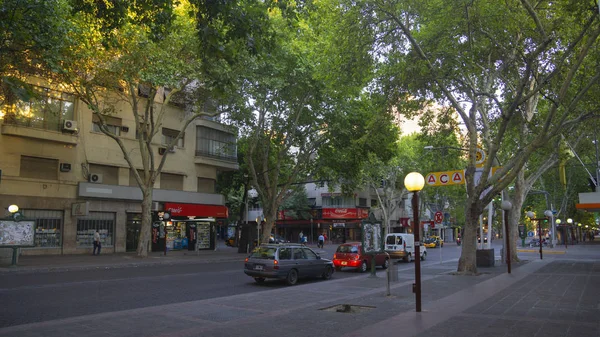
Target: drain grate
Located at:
point(348, 308)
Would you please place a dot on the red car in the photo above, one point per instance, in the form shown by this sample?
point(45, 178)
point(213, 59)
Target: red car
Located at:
point(352, 255)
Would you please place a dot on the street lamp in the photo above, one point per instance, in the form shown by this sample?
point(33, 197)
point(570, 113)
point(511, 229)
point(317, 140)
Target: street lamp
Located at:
point(570, 222)
point(550, 215)
point(506, 206)
point(414, 182)
point(531, 215)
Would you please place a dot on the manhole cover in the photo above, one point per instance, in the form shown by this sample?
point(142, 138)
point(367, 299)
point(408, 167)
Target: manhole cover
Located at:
point(348, 308)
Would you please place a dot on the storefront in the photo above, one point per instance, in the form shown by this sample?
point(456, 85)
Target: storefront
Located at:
point(191, 226)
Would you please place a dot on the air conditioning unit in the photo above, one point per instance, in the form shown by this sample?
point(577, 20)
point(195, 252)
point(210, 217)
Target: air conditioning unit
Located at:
point(65, 167)
point(162, 150)
point(125, 128)
point(95, 178)
point(69, 125)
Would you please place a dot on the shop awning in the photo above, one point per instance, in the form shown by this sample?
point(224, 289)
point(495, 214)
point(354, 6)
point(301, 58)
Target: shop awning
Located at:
point(199, 210)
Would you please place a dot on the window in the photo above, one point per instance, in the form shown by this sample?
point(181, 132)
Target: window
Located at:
point(171, 182)
point(309, 254)
point(299, 254)
point(103, 222)
point(110, 174)
point(39, 168)
point(48, 225)
point(339, 201)
point(113, 124)
point(48, 110)
point(362, 202)
point(373, 202)
point(206, 185)
point(285, 253)
point(168, 135)
point(215, 143)
point(132, 181)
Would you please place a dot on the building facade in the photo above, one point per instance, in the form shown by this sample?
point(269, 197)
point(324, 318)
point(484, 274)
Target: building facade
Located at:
point(72, 179)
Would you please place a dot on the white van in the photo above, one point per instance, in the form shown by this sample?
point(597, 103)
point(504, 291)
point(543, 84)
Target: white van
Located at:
point(402, 246)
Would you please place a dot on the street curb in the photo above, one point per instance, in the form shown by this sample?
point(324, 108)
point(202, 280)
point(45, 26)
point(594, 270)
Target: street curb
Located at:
point(543, 251)
point(51, 269)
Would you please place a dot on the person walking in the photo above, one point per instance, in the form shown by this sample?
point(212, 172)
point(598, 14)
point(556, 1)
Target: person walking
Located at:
point(97, 244)
point(321, 241)
point(301, 237)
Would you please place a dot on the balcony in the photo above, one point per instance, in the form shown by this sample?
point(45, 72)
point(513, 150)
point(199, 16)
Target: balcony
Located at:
point(38, 129)
point(220, 160)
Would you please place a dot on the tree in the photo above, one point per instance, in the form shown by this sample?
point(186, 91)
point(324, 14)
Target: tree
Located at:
point(32, 33)
point(144, 56)
point(297, 107)
point(487, 60)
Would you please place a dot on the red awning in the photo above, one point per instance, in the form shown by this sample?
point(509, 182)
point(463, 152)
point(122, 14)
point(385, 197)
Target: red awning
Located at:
point(199, 210)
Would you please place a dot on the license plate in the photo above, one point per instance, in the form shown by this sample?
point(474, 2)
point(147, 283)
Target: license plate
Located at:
point(344, 263)
point(258, 267)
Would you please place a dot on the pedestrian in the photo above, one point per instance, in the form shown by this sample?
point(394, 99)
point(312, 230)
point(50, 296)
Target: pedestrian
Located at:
point(97, 244)
point(321, 241)
point(325, 236)
point(301, 237)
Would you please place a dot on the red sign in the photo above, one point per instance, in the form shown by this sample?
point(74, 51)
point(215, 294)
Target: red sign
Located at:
point(404, 222)
point(345, 213)
point(198, 210)
point(438, 217)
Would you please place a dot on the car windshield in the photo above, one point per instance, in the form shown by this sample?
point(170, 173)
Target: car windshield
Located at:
point(347, 249)
point(429, 240)
point(263, 253)
point(393, 240)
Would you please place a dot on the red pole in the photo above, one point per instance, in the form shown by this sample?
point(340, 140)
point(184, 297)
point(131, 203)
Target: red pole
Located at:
point(540, 236)
point(416, 230)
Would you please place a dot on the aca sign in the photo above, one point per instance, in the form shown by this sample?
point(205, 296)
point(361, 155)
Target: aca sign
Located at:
point(445, 178)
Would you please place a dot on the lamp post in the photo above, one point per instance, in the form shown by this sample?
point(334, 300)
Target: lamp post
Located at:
point(414, 182)
point(550, 215)
point(506, 206)
point(569, 223)
point(531, 216)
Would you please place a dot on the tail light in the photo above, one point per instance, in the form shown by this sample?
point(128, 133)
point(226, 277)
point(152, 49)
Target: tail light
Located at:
point(335, 256)
point(246, 260)
point(275, 264)
point(356, 257)
point(404, 245)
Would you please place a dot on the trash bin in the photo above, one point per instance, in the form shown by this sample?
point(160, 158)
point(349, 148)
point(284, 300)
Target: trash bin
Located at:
point(393, 272)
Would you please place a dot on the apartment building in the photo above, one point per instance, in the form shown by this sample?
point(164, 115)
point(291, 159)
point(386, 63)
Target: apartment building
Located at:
point(72, 179)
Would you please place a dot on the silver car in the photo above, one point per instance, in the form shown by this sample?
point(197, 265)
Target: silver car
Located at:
point(288, 261)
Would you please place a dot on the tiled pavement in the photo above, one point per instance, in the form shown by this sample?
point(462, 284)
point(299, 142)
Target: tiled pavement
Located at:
point(540, 298)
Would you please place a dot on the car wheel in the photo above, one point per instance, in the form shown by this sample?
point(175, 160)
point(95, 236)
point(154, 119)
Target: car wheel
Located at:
point(386, 264)
point(292, 277)
point(259, 280)
point(363, 267)
point(328, 272)
point(406, 258)
point(424, 256)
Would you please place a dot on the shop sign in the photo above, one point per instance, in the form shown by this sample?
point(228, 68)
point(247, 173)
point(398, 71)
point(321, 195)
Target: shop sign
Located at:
point(339, 225)
point(198, 210)
point(343, 213)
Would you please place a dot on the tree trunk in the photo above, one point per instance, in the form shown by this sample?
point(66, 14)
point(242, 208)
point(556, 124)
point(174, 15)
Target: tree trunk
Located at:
point(515, 213)
point(468, 259)
point(142, 249)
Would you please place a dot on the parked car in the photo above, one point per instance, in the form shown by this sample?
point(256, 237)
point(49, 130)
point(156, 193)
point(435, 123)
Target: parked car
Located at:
point(352, 255)
point(286, 261)
point(402, 246)
point(433, 242)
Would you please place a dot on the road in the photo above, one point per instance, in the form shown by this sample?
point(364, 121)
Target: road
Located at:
point(45, 296)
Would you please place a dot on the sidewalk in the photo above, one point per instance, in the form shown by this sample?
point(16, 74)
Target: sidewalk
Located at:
point(550, 297)
point(41, 263)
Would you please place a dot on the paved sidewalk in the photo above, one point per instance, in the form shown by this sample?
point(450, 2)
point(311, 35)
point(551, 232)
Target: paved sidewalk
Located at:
point(550, 297)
